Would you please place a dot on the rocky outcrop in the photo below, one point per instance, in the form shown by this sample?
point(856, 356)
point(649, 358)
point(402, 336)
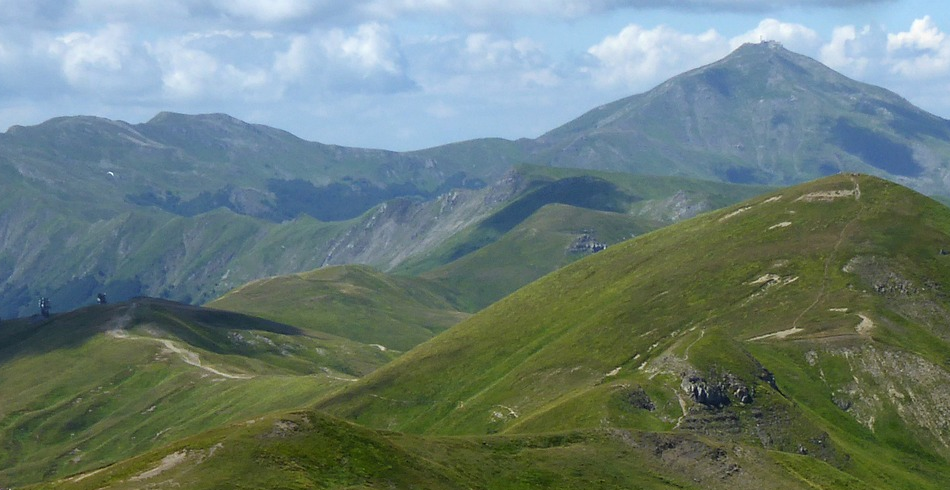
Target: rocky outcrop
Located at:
point(586, 242)
point(717, 391)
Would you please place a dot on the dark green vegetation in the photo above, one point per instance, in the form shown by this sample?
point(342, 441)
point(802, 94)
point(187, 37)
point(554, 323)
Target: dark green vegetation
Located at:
point(189, 207)
point(99, 384)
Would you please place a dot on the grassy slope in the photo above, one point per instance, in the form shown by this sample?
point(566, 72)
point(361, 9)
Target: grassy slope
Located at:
point(306, 450)
point(588, 189)
point(529, 236)
point(103, 383)
point(567, 351)
point(541, 367)
point(354, 302)
point(537, 246)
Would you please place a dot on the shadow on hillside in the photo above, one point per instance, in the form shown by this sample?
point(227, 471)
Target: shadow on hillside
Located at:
point(200, 327)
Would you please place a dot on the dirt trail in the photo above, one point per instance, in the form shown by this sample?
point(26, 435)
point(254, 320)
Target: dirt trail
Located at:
point(779, 335)
point(191, 357)
point(856, 192)
point(187, 356)
point(167, 463)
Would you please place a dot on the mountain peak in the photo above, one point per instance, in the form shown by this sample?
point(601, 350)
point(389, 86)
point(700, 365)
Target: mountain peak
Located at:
point(175, 118)
point(764, 115)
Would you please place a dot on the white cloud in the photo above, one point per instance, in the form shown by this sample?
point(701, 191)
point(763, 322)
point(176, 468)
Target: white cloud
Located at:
point(371, 49)
point(796, 37)
point(482, 64)
point(920, 53)
point(487, 53)
point(216, 65)
point(637, 57)
point(109, 59)
point(83, 54)
point(923, 35)
point(369, 60)
point(852, 51)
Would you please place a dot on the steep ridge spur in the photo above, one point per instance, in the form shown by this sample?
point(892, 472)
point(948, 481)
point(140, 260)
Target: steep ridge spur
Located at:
point(673, 331)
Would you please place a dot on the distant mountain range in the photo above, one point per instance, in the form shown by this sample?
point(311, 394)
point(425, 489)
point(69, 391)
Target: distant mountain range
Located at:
point(186, 207)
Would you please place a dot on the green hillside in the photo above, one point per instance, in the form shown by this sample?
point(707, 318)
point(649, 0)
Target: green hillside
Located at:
point(552, 237)
point(305, 450)
point(354, 302)
point(809, 321)
point(794, 341)
point(654, 200)
point(558, 218)
point(101, 384)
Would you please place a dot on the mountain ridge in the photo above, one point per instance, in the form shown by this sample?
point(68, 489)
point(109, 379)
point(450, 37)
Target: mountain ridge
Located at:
point(755, 339)
point(794, 340)
point(760, 115)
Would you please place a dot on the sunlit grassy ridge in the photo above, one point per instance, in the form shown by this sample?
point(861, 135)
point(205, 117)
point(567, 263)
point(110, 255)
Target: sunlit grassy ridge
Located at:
point(100, 384)
point(305, 450)
point(796, 340)
point(775, 290)
point(354, 302)
point(532, 235)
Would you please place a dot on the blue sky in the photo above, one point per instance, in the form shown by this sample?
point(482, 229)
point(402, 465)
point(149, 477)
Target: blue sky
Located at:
point(409, 74)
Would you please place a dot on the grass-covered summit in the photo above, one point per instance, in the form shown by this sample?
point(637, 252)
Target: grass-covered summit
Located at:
point(353, 301)
point(811, 321)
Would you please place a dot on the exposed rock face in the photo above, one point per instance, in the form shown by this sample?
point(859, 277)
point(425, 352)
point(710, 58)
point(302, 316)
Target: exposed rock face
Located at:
point(920, 298)
point(885, 382)
point(401, 228)
point(719, 391)
point(882, 276)
point(638, 398)
point(586, 243)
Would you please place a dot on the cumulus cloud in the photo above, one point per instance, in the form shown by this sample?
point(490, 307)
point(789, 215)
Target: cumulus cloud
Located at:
point(368, 60)
point(479, 10)
point(922, 52)
point(216, 65)
point(108, 59)
point(638, 56)
point(796, 37)
point(854, 51)
point(482, 63)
